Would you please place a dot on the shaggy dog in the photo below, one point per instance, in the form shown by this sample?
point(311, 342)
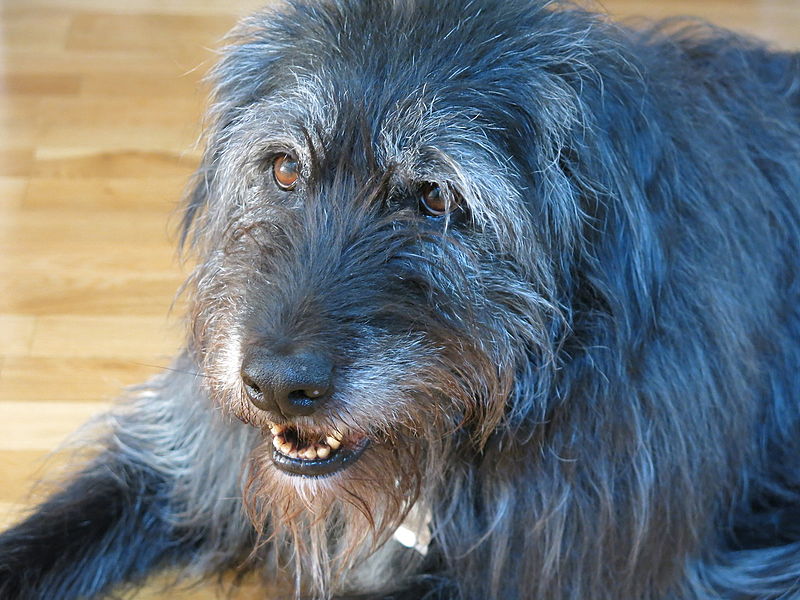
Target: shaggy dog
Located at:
point(502, 280)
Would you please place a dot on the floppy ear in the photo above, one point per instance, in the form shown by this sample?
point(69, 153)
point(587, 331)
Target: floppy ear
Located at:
point(655, 154)
point(195, 200)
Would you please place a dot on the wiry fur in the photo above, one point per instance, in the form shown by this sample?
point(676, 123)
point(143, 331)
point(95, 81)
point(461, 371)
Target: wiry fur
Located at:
point(589, 375)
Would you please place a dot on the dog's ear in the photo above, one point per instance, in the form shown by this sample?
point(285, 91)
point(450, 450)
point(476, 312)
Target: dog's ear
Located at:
point(195, 200)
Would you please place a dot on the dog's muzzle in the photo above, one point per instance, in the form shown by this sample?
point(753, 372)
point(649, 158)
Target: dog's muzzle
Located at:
point(290, 385)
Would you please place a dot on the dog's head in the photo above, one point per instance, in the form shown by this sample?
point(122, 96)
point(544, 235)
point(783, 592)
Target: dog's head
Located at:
point(387, 216)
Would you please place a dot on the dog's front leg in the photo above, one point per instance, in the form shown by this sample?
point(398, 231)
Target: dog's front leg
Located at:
point(163, 491)
point(109, 524)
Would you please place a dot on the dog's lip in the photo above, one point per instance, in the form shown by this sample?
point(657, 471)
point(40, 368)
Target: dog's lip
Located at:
point(320, 467)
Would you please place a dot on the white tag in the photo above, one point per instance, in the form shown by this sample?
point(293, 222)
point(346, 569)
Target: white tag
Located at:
point(415, 531)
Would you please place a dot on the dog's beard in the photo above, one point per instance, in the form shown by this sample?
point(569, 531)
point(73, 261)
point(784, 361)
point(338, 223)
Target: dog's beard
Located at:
point(327, 526)
point(321, 528)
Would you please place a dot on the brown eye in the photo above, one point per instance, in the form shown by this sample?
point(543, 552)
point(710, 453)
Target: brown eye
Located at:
point(286, 171)
point(434, 202)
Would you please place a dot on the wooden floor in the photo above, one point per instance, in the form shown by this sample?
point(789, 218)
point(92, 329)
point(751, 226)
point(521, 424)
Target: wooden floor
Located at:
point(100, 105)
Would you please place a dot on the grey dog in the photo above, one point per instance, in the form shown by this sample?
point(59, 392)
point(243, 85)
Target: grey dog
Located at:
point(502, 280)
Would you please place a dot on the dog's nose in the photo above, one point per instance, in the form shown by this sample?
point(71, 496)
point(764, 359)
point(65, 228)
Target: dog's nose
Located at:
point(290, 384)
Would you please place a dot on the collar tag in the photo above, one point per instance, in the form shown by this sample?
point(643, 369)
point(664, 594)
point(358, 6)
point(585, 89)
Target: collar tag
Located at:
point(415, 531)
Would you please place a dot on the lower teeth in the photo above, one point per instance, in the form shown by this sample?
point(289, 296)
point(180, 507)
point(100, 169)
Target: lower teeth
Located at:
point(312, 452)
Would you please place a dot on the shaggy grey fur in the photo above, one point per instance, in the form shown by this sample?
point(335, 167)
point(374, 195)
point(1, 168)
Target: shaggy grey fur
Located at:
point(585, 368)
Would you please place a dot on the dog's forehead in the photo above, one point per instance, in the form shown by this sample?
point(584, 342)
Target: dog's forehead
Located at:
point(398, 72)
point(414, 127)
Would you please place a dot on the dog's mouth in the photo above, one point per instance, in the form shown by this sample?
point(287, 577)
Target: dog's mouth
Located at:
point(314, 452)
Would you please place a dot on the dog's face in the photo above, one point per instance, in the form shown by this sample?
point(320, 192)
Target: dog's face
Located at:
point(374, 280)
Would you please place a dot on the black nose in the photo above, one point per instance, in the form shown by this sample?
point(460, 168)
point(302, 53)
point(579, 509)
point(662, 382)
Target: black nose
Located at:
point(290, 384)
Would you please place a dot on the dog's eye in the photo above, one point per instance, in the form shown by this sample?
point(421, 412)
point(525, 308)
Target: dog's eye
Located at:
point(286, 171)
point(434, 202)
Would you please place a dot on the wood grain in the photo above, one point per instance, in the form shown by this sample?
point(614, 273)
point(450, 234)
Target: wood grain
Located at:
point(100, 110)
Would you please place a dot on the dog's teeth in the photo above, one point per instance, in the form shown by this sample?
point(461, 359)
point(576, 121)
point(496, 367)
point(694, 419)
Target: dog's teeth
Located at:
point(305, 450)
